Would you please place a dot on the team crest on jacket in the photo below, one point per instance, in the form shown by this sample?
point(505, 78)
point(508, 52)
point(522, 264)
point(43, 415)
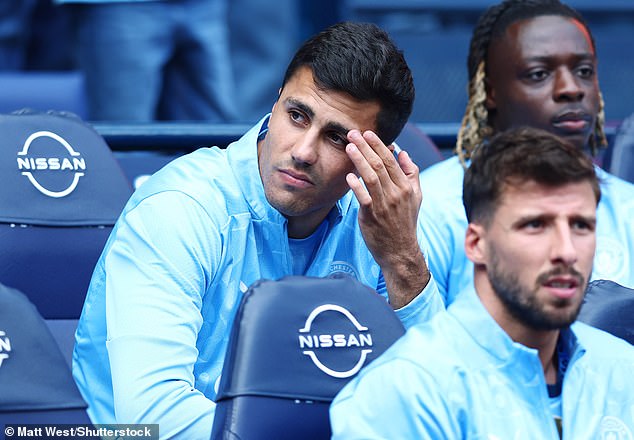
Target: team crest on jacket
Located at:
point(610, 259)
point(613, 428)
point(338, 268)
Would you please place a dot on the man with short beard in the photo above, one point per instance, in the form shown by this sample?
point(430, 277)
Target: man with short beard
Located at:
point(313, 189)
point(507, 359)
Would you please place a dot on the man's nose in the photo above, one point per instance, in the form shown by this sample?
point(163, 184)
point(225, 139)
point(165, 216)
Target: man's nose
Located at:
point(567, 86)
point(563, 247)
point(304, 150)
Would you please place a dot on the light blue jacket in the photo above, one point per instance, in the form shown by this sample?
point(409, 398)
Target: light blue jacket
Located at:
point(460, 376)
point(153, 332)
point(443, 221)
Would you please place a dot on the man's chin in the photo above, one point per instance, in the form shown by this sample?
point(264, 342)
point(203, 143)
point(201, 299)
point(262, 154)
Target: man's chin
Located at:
point(557, 319)
point(579, 140)
point(287, 208)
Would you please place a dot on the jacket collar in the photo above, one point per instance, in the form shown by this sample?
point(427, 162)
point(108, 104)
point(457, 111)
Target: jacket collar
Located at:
point(471, 314)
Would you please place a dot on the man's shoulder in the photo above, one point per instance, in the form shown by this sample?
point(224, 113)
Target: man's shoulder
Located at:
point(449, 170)
point(204, 175)
point(426, 347)
point(201, 164)
point(613, 186)
point(441, 185)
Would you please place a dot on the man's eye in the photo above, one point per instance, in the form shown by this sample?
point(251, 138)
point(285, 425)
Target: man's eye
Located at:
point(533, 224)
point(296, 116)
point(585, 72)
point(336, 138)
point(581, 225)
point(537, 75)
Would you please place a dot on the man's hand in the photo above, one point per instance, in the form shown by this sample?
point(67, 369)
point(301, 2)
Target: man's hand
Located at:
point(389, 204)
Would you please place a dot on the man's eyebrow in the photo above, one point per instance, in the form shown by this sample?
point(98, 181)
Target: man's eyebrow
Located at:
point(337, 127)
point(331, 125)
point(590, 219)
point(300, 105)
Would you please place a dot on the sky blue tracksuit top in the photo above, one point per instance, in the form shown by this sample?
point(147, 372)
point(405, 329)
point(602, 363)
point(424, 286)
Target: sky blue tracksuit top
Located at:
point(460, 376)
point(154, 328)
point(443, 222)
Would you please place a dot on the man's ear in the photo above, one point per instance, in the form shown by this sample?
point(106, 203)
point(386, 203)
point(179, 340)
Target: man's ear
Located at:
point(475, 243)
point(279, 93)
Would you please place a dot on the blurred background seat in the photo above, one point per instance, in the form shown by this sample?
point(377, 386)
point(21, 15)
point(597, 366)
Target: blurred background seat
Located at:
point(294, 344)
point(43, 91)
point(420, 147)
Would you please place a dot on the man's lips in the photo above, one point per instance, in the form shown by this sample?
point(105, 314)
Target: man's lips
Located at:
point(572, 121)
point(295, 178)
point(562, 286)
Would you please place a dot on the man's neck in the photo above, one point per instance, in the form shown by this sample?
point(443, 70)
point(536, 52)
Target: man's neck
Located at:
point(304, 226)
point(544, 341)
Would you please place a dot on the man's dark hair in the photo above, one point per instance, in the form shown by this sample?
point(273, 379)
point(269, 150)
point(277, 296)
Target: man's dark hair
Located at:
point(361, 60)
point(491, 26)
point(520, 155)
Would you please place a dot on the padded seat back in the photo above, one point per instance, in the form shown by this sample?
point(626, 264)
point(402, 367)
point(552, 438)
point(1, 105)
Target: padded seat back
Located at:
point(294, 344)
point(35, 382)
point(60, 195)
point(610, 307)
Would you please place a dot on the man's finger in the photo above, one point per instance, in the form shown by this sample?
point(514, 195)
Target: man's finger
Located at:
point(359, 190)
point(389, 163)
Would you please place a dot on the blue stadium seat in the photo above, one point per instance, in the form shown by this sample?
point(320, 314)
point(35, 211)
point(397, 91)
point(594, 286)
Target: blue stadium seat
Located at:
point(43, 91)
point(138, 166)
point(419, 146)
point(61, 193)
point(609, 307)
point(294, 344)
point(35, 382)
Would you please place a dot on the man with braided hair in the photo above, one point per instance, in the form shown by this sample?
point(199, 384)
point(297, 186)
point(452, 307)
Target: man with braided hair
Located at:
point(507, 360)
point(533, 63)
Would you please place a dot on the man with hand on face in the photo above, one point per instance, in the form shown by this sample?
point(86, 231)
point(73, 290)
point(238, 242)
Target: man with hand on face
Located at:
point(153, 333)
point(506, 360)
point(533, 63)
